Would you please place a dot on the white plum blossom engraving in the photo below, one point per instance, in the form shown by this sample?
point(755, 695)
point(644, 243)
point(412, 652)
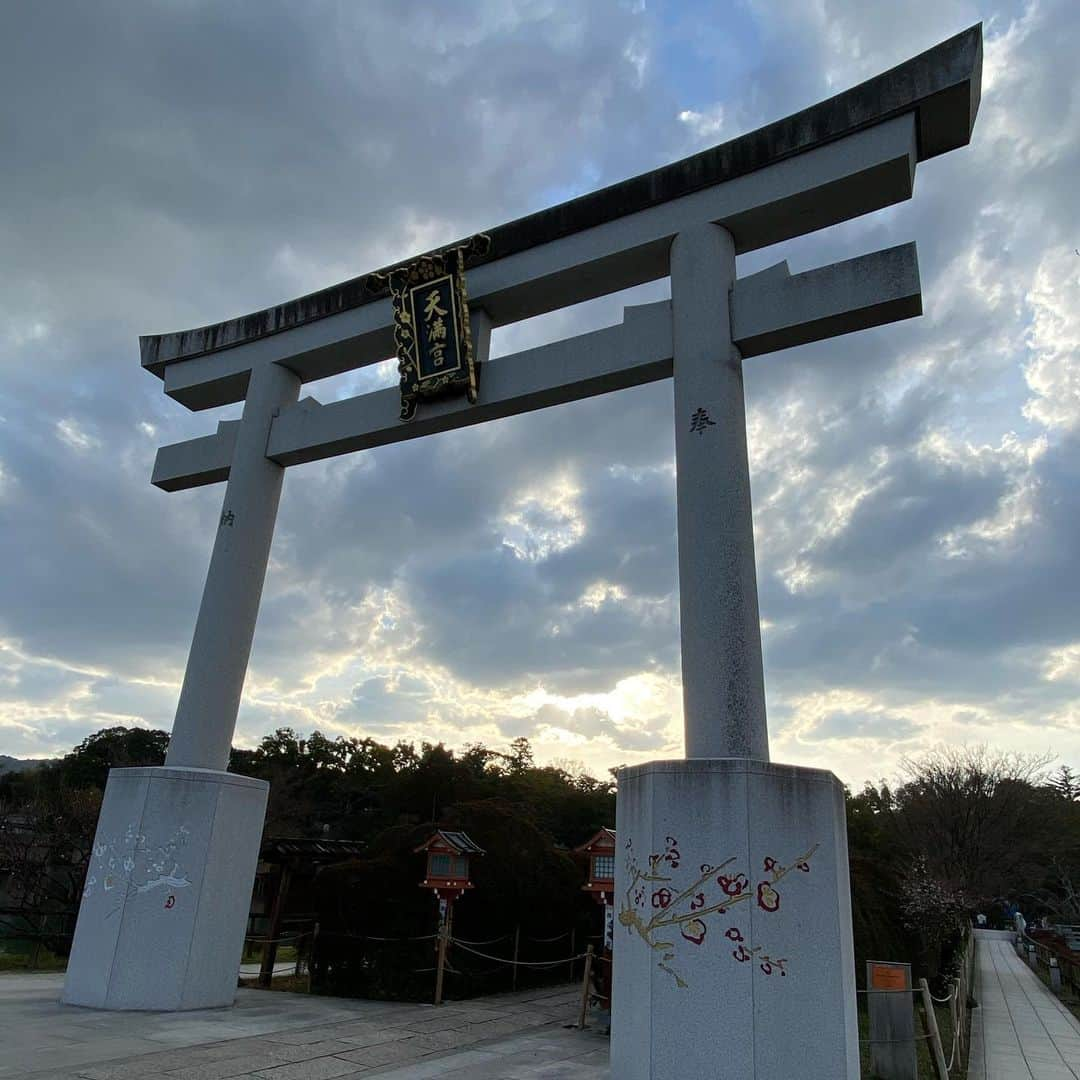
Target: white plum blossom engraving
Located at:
point(131, 866)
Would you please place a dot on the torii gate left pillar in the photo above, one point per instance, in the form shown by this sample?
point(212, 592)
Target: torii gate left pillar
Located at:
point(176, 847)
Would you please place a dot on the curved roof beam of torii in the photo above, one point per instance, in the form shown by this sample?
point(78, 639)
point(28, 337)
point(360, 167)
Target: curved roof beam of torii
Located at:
point(838, 159)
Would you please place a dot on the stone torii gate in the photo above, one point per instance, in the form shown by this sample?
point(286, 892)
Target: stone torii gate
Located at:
point(733, 936)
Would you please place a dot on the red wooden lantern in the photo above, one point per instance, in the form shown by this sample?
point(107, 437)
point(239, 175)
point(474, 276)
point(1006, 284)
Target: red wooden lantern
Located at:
point(601, 852)
point(447, 876)
point(447, 872)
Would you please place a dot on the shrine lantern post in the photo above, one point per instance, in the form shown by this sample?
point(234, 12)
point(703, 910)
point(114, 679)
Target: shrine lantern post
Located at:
point(600, 850)
point(447, 875)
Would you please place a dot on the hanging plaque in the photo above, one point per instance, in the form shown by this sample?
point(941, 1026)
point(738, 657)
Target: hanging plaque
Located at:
point(431, 326)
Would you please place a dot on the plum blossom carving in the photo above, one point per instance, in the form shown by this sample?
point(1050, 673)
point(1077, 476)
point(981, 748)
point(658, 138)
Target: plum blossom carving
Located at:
point(129, 865)
point(695, 931)
point(655, 906)
point(768, 899)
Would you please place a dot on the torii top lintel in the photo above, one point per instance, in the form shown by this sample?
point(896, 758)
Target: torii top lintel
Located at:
point(856, 153)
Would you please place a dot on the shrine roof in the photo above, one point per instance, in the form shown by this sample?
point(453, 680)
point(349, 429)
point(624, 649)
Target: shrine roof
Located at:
point(940, 86)
point(459, 842)
point(291, 847)
point(605, 838)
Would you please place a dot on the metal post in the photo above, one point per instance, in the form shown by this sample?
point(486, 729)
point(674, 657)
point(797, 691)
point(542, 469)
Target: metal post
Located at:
point(585, 988)
point(440, 963)
point(35, 951)
point(961, 1004)
point(214, 679)
point(936, 1049)
point(517, 944)
point(954, 1015)
point(312, 955)
point(573, 950)
point(723, 680)
point(891, 1016)
point(269, 956)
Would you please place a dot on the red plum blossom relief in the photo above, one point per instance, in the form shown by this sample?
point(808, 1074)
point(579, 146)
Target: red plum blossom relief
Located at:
point(657, 906)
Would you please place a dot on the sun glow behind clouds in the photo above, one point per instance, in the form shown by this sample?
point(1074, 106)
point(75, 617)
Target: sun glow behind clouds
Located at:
point(544, 521)
point(1063, 664)
point(1053, 372)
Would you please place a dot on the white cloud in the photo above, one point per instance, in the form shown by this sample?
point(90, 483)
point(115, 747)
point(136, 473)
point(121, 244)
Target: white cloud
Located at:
point(1063, 664)
point(1053, 372)
point(73, 435)
point(544, 522)
point(706, 126)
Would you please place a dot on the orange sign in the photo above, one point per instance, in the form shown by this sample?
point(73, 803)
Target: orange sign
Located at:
point(889, 977)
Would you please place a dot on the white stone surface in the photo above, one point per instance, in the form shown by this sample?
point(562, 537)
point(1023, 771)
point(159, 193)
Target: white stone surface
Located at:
point(733, 939)
point(165, 904)
point(723, 683)
point(770, 310)
point(217, 664)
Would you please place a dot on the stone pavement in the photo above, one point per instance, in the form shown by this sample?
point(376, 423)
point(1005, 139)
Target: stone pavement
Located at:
point(1020, 1030)
point(277, 1036)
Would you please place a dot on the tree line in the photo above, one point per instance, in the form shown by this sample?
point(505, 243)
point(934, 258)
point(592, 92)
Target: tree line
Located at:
point(961, 831)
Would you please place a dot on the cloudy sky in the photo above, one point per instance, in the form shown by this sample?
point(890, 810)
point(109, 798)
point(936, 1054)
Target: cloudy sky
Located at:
point(168, 164)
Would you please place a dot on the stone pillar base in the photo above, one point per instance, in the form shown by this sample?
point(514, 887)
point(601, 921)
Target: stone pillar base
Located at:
point(164, 909)
point(733, 938)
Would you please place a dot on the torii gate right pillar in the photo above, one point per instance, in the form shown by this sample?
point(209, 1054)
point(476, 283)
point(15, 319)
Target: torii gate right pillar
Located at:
point(734, 952)
point(723, 684)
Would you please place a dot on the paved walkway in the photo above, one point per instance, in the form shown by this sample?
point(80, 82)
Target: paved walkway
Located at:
point(270, 1035)
point(1020, 1030)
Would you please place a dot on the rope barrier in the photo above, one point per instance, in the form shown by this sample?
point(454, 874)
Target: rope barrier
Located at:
point(956, 1000)
point(276, 941)
point(517, 963)
point(956, 1007)
point(890, 1042)
point(549, 940)
point(957, 1024)
point(490, 941)
point(372, 937)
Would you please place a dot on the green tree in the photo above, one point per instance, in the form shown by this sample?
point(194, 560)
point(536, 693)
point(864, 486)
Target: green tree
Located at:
point(45, 843)
point(1066, 783)
point(520, 757)
point(978, 817)
point(88, 765)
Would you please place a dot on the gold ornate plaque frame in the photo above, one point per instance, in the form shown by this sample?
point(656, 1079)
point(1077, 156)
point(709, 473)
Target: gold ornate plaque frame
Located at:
point(423, 335)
